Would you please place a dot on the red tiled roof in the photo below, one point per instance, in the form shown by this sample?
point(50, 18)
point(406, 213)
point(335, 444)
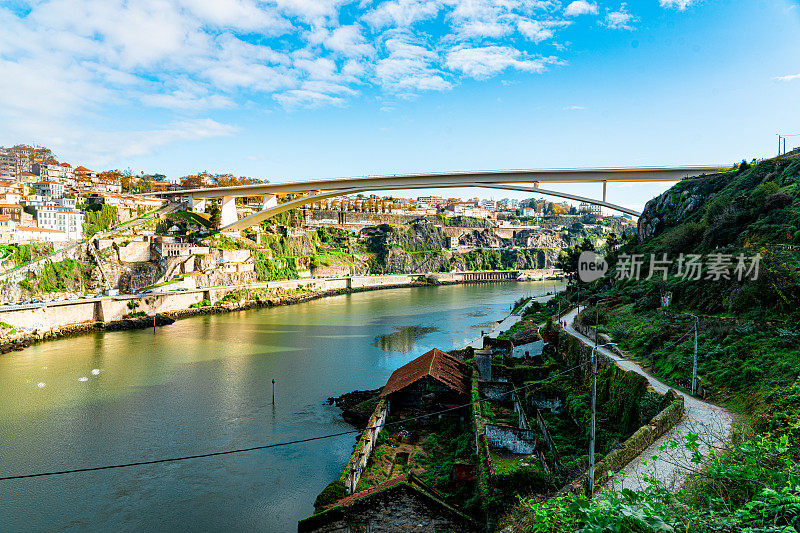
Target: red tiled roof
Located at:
point(440, 366)
point(33, 228)
point(350, 500)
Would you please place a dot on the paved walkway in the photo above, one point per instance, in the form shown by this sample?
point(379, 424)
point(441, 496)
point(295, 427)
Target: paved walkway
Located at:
point(712, 424)
point(508, 321)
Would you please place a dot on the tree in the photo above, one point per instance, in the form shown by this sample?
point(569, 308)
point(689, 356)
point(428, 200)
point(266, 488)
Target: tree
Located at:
point(568, 261)
point(206, 179)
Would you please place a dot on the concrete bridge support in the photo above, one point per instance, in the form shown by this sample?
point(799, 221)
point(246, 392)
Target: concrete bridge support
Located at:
point(270, 200)
point(228, 211)
point(198, 205)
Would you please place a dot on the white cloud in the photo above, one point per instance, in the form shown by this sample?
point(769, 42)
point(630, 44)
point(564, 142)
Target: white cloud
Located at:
point(790, 77)
point(680, 5)
point(297, 98)
point(316, 11)
point(410, 67)
point(402, 13)
point(580, 7)
point(486, 61)
point(346, 40)
point(102, 148)
point(538, 31)
point(620, 19)
point(240, 14)
point(574, 108)
point(74, 66)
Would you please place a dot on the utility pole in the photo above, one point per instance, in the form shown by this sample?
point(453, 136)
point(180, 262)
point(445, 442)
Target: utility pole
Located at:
point(594, 416)
point(694, 366)
point(779, 144)
point(597, 319)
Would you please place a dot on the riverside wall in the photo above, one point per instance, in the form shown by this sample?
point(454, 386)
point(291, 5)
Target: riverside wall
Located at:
point(57, 315)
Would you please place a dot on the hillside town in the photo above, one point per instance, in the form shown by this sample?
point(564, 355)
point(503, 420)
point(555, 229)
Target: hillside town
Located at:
point(46, 200)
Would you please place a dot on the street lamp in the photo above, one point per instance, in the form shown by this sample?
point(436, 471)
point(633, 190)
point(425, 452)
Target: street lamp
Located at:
point(594, 416)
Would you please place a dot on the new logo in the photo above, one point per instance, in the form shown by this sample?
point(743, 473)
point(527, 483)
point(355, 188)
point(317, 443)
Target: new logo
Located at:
point(591, 266)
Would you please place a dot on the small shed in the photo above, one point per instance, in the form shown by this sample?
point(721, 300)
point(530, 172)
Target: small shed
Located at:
point(530, 349)
point(432, 380)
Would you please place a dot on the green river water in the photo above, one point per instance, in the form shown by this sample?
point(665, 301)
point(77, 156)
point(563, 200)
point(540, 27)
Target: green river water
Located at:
point(204, 384)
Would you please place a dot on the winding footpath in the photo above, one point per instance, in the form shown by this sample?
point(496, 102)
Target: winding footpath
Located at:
point(710, 422)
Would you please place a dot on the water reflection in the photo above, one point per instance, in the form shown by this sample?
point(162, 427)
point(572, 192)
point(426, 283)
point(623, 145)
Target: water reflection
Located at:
point(403, 340)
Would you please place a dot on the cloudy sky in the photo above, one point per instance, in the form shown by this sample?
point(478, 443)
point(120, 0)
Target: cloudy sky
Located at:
point(290, 89)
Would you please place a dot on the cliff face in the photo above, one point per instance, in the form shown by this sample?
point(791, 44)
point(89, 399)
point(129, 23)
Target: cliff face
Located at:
point(673, 207)
point(749, 204)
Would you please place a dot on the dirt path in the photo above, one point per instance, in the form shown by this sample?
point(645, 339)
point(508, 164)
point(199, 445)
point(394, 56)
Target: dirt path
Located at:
point(711, 423)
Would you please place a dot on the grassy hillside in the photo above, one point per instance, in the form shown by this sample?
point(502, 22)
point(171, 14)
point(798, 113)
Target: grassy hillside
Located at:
point(748, 351)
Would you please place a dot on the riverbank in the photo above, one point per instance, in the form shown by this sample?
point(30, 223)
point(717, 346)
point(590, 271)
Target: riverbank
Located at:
point(13, 337)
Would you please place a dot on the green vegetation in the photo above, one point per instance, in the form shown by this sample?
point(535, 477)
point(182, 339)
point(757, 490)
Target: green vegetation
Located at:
point(63, 276)
point(747, 348)
point(335, 491)
point(201, 303)
point(13, 255)
point(270, 270)
point(752, 487)
point(99, 217)
point(201, 219)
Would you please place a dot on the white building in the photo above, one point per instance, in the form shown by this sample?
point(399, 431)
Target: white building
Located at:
point(593, 209)
point(49, 188)
point(24, 234)
point(60, 172)
point(65, 219)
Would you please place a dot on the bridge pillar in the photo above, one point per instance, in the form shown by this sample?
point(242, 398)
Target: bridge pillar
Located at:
point(270, 200)
point(198, 205)
point(604, 190)
point(228, 211)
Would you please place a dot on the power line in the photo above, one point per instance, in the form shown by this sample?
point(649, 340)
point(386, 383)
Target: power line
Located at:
point(267, 446)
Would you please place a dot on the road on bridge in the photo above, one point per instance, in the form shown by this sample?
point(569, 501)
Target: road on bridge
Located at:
point(712, 424)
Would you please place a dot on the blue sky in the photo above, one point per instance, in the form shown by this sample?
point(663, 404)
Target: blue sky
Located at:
point(292, 89)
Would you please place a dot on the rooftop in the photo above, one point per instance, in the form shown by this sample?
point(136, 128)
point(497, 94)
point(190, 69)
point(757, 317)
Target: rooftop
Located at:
point(440, 366)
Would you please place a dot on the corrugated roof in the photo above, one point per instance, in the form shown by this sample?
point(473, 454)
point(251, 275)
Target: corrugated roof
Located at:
point(440, 366)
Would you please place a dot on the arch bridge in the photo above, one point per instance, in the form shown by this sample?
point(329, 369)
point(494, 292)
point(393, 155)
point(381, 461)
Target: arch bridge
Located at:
point(513, 180)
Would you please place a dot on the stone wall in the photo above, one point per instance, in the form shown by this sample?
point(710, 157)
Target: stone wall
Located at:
point(363, 450)
point(632, 448)
point(515, 440)
point(59, 314)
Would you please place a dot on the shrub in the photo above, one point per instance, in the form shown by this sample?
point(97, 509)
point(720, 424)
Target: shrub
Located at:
point(330, 494)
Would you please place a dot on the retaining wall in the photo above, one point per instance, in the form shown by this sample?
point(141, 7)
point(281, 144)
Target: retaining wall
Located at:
point(632, 448)
point(363, 450)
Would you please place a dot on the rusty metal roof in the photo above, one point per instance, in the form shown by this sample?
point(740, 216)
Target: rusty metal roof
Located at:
point(440, 366)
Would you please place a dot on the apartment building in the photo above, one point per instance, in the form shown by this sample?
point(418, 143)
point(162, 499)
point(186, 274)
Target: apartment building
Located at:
point(53, 171)
point(49, 189)
point(55, 217)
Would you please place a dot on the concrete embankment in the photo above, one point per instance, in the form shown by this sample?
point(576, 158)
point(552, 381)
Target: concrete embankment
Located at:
point(45, 322)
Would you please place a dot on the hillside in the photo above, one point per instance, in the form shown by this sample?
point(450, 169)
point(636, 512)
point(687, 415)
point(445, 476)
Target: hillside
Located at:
point(748, 355)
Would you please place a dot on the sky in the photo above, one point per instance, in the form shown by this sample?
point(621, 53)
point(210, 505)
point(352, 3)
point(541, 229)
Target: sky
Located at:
point(305, 89)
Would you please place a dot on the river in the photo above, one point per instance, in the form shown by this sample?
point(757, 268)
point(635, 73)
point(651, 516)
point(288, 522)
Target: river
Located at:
point(205, 384)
